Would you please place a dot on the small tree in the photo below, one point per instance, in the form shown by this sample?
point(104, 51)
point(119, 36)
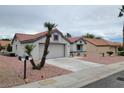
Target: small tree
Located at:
point(28, 50)
point(68, 35)
point(9, 48)
point(92, 36)
point(89, 35)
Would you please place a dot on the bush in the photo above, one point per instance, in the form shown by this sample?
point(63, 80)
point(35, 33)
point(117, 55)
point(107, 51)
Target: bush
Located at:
point(121, 53)
point(12, 54)
point(29, 49)
point(0, 47)
point(120, 49)
point(8, 54)
point(109, 53)
point(9, 48)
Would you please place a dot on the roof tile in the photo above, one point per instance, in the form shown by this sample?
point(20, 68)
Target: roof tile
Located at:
point(101, 42)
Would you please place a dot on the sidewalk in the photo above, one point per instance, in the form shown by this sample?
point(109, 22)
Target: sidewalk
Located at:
point(77, 79)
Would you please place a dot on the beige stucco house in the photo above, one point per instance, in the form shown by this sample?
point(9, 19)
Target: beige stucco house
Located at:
point(98, 46)
point(59, 45)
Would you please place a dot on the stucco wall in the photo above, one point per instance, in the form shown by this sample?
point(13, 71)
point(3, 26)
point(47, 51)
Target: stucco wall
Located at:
point(73, 46)
point(19, 51)
point(35, 53)
point(92, 49)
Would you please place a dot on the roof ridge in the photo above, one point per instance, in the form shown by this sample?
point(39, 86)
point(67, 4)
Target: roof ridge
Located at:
point(24, 34)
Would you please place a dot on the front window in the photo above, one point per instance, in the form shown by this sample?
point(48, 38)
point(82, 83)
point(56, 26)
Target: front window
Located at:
point(16, 47)
point(56, 37)
point(79, 47)
point(80, 41)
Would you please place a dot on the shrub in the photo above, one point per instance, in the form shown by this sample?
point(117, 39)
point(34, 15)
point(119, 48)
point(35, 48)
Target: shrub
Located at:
point(29, 49)
point(12, 54)
point(0, 47)
point(121, 53)
point(109, 53)
point(120, 48)
point(9, 48)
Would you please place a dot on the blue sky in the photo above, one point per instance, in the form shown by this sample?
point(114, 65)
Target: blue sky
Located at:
point(78, 20)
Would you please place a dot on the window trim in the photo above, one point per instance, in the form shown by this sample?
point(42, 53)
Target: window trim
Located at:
point(81, 47)
point(56, 37)
point(16, 47)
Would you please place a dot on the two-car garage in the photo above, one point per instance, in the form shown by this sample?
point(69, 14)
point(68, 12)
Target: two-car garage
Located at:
point(56, 50)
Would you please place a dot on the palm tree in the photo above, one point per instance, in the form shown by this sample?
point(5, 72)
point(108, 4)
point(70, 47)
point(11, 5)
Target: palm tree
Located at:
point(50, 27)
point(120, 15)
point(28, 50)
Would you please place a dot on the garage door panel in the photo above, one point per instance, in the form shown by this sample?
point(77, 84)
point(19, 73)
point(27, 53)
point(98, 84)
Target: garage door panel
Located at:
point(55, 50)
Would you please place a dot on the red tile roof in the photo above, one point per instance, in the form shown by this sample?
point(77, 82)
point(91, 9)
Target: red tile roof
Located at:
point(23, 37)
point(4, 43)
point(101, 42)
point(27, 37)
point(73, 39)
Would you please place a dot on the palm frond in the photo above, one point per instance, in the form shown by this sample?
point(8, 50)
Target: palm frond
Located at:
point(49, 25)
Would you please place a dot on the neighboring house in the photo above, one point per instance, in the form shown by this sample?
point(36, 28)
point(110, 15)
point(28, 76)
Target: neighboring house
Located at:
point(4, 43)
point(59, 45)
point(98, 46)
point(77, 45)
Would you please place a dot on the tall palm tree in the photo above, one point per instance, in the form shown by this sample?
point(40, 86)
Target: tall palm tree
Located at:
point(50, 27)
point(120, 15)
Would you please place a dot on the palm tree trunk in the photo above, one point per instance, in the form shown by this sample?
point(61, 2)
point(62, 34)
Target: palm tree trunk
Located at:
point(45, 53)
point(33, 64)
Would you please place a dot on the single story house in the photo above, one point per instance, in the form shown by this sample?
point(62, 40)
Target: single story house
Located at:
point(77, 45)
point(98, 46)
point(59, 45)
point(4, 43)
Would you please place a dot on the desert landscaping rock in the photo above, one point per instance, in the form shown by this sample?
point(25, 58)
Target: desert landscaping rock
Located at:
point(102, 60)
point(11, 72)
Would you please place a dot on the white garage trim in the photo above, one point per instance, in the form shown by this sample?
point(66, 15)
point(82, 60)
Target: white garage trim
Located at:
point(56, 50)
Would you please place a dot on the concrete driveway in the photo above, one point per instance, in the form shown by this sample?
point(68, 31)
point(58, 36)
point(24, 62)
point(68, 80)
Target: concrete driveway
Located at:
point(72, 64)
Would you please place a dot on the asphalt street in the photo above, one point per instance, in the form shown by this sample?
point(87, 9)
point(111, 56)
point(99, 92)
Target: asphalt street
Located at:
point(113, 81)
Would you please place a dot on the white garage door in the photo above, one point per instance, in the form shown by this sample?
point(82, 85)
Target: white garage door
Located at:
point(55, 50)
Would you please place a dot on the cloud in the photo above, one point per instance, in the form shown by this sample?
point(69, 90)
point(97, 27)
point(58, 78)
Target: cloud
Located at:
point(77, 20)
